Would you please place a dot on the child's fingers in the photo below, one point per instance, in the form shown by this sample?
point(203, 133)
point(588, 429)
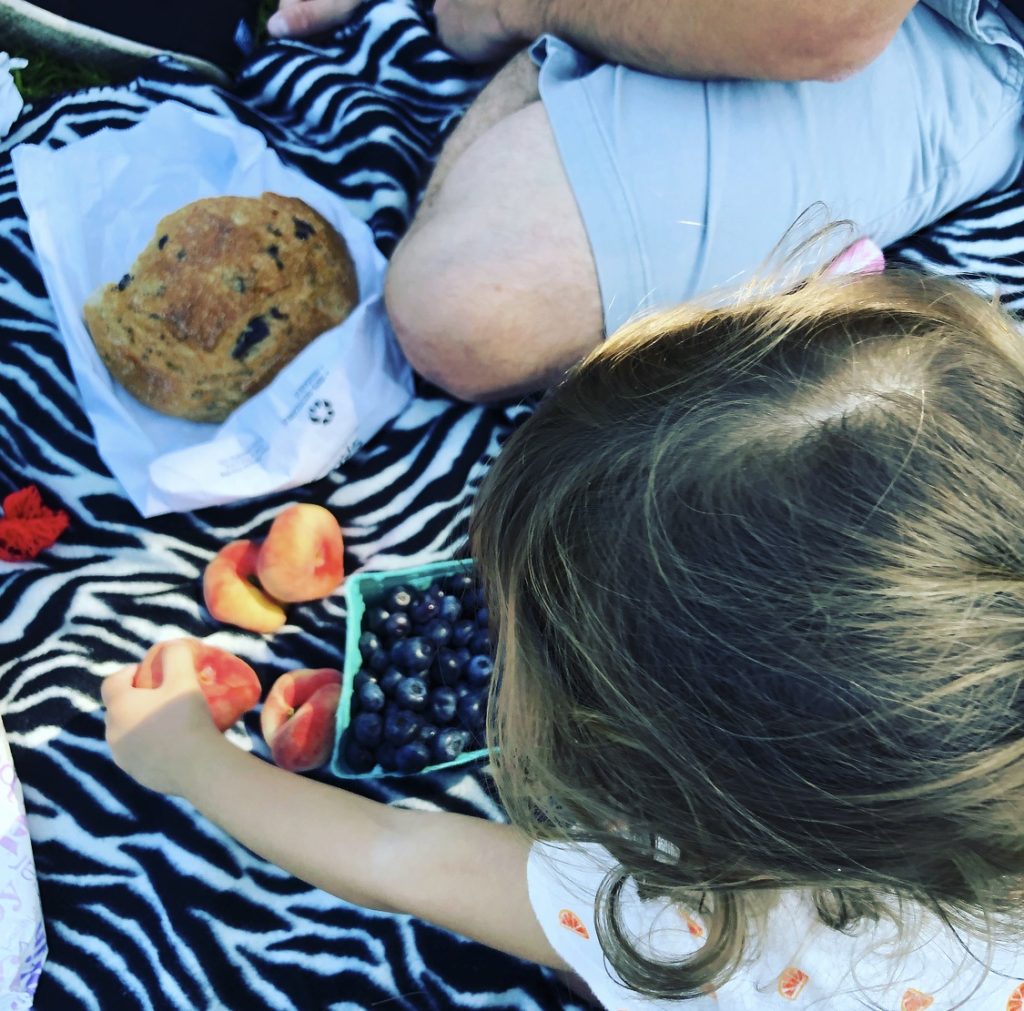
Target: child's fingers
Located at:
point(179, 666)
point(114, 685)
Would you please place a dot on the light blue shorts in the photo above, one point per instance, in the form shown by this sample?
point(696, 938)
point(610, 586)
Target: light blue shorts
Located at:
point(688, 186)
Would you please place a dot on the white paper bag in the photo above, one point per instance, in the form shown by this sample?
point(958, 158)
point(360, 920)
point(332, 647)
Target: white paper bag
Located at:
point(10, 98)
point(22, 937)
point(92, 206)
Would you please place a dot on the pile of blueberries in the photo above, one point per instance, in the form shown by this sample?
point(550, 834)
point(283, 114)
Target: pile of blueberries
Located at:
point(420, 696)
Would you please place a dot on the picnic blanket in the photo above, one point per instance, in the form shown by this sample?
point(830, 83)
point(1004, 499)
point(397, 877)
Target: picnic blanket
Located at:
point(146, 904)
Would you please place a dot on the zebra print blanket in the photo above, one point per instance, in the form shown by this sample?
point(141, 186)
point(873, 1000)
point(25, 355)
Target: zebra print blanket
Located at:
point(146, 904)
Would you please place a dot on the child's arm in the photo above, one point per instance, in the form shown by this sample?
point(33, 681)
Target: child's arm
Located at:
point(462, 873)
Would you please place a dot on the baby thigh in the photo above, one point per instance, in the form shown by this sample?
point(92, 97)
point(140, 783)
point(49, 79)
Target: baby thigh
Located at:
point(689, 186)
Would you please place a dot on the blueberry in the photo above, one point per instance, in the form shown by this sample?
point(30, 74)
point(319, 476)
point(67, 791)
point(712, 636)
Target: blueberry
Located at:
point(442, 704)
point(375, 617)
point(411, 693)
point(400, 726)
point(367, 729)
point(368, 642)
point(458, 583)
point(435, 591)
point(303, 229)
point(370, 697)
point(480, 643)
point(362, 677)
point(398, 599)
point(418, 653)
point(397, 625)
point(437, 631)
point(390, 680)
point(386, 757)
point(471, 600)
point(412, 757)
point(483, 616)
point(358, 758)
point(424, 609)
point(396, 653)
point(462, 690)
point(463, 631)
point(427, 733)
point(378, 660)
point(473, 710)
point(449, 744)
point(478, 670)
point(449, 608)
point(447, 667)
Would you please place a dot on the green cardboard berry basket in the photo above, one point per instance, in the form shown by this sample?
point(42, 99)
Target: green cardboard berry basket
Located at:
point(362, 590)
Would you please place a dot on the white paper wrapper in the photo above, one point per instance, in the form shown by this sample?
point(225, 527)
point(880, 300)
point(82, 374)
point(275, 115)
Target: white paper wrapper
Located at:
point(10, 98)
point(92, 206)
point(22, 937)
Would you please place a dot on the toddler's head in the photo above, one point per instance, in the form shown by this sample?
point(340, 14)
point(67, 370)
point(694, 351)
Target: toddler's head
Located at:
point(758, 575)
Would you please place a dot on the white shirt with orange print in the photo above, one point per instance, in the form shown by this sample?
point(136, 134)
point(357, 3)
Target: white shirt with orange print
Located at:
point(799, 963)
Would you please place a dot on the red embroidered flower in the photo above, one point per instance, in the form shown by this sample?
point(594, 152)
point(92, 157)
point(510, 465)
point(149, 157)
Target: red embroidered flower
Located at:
point(28, 526)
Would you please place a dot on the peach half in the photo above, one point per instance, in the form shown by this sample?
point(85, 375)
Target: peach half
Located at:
point(229, 684)
point(303, 557)
point(298, 717)
point(231, 594)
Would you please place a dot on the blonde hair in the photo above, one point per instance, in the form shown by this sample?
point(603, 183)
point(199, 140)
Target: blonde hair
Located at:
point(758, 579)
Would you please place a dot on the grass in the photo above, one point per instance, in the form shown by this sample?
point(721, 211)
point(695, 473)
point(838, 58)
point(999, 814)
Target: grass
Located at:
point(48, 74)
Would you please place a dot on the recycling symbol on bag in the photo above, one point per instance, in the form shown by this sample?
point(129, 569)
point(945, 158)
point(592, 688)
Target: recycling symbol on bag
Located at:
point(321, 412)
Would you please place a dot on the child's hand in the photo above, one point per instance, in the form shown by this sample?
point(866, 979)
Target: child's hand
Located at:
point(164, 736)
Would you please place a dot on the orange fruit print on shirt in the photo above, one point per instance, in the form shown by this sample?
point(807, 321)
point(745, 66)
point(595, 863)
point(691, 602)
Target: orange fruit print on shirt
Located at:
point(1016, 1001)
point(915, 1000)
point(791, 982)
point(692, 925)
point(568, 919)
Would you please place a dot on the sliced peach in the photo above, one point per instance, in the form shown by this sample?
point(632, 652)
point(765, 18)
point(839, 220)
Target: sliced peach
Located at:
point(303, 557)
point(229, 684)
point(298, 717)
point(232, 596)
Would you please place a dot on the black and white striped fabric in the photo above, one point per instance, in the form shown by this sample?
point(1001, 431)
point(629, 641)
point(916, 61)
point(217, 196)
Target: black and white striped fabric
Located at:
point(147, 905)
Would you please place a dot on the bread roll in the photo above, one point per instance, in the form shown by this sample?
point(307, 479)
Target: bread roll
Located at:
point(228, 291)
